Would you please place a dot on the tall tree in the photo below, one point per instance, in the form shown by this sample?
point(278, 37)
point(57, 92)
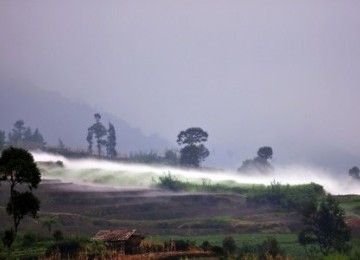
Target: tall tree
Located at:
point(17, 134)
point(18, 168)
point(99, 131)
point(111, 142)
point(325, 226)
point(194, 150)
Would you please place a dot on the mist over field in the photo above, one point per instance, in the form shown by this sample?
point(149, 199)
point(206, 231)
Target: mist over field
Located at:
point(128, 175)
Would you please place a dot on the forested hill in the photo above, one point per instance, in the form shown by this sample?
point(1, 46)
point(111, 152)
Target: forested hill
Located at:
point(57, 117)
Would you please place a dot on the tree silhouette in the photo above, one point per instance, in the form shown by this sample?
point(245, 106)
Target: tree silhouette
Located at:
point(354, 172)
point(194, 151)
point(325, 226)
point(17, 167)
point(99, 131)
point(111, 142)
point(260, 163)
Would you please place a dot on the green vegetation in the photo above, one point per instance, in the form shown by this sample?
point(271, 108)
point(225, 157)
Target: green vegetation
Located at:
point(284, 196)
point(325, 227)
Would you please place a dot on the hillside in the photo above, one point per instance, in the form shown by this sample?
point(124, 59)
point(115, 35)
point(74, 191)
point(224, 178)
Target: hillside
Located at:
point(58, 117)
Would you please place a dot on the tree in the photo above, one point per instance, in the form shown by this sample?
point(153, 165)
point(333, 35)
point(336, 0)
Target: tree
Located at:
point(260, 163)
point(325, 226)
point(265, 152)
point(2, 140)
point(17, 167)
point(354, 172)
point(18, 133)
point(48, 223)
point(99, 131)
point(194, 151)
point(111, 142)
point(22, 136)
point(171, 157)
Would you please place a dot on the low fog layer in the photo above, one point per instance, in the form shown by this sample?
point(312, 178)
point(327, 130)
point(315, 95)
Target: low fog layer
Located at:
point(114, 174)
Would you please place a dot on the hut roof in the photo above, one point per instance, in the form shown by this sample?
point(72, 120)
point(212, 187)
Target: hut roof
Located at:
point(115, 235)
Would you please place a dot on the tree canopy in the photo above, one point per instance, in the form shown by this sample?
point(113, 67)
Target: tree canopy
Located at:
point(325, 226)
point(260, 163)
point(18, 168)
point(194, 151)
point(354, 172)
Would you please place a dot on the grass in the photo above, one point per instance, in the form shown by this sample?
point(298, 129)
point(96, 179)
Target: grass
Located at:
point(351, 205)
point(287, 241)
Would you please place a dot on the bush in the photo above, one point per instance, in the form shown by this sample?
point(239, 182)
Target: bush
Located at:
point(168, 182)
point(183, 245)
point(229, 245)
point(285, 196)
point(66, 249)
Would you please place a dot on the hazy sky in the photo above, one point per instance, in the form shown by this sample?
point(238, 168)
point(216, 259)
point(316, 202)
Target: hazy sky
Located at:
point(251, 73)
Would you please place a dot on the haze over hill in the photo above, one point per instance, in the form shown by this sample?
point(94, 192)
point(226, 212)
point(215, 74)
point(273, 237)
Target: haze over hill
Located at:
point(57, 117)
point(250, 73)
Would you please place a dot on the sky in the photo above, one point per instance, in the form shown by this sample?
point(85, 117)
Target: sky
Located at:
point(250, 73)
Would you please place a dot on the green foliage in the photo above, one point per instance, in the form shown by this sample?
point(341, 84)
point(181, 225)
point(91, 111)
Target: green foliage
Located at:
point(285, 196)
point(229, 245)
point(325, 226)
point(147, 158)
point(194, 152)
point(169, 182)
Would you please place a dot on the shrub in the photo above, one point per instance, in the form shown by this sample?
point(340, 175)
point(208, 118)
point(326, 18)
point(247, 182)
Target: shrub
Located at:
point(168, 182)
point(69, 248)
point(229, 245)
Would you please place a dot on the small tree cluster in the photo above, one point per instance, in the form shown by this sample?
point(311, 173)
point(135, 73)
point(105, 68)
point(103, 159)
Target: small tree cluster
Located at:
point(260, 163)
point(23, 136)
point(104, 137)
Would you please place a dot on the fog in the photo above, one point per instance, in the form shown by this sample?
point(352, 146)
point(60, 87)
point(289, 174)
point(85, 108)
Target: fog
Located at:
point(252, 73)
point(125, 175)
